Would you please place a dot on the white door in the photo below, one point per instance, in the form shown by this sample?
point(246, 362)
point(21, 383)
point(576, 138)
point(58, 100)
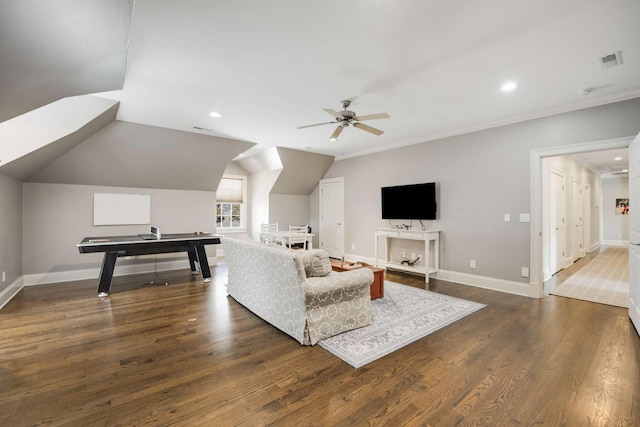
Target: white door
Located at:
point(332, 216)
point(576, 220)
point(556, 222)
point(634, 232)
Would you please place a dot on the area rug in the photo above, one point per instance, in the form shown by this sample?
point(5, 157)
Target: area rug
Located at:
point(404, 315)
point(604, 280)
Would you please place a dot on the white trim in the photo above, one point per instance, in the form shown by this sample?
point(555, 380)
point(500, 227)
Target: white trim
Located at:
point(11, 291)
point(94, 273)
point(501, 285)
point(615, 242)
point(535, 227)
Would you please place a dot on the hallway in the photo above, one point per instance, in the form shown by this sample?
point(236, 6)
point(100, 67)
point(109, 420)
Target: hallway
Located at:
point(601, 276)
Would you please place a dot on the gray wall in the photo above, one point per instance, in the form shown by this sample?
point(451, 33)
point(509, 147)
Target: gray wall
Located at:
point(481, 176)
point(289, 209)
point(57, 216)
point(10, 230)
point(615, 227)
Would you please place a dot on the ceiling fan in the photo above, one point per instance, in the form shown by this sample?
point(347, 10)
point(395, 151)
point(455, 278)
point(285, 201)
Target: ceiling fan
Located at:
point(345, 118)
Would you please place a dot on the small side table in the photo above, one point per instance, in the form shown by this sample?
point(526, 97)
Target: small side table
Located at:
point(377, 286)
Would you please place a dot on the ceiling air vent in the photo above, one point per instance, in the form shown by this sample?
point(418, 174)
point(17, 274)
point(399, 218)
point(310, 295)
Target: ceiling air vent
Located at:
point(611, 60)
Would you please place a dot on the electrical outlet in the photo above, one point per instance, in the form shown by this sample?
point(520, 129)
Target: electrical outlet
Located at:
point(524, 217)
point(507, 217)
point(472, 263)
point(4, 276)
point(413, 256)
point(524, 272)
point(353, 247)
point(403, 255)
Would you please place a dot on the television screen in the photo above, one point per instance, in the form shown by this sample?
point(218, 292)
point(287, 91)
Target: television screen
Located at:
point(416, 201)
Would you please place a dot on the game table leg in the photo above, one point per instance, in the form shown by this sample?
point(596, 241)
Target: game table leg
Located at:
point(106, 273)
point(204, 263)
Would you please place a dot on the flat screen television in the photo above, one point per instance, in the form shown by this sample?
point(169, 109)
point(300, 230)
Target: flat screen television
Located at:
point(415, 201)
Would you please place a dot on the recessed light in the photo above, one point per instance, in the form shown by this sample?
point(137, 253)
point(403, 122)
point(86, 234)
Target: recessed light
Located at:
point(508, 86)
point(215, 114)
point(617, 158)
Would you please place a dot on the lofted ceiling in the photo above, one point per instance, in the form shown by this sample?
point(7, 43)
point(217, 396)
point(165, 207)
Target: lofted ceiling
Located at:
point(269, 67)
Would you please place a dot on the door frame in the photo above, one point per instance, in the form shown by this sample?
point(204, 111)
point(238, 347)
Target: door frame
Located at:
point(536, 284)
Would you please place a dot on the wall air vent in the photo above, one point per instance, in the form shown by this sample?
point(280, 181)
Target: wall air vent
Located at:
point(611, 60)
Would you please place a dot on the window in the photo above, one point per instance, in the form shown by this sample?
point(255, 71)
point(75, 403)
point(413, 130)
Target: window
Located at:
point(230, 209)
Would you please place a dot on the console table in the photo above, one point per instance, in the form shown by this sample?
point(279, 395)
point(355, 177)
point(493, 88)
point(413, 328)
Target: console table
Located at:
point(388, 234)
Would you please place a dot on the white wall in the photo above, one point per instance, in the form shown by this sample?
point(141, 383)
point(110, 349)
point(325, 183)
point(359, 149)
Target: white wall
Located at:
point(615, 229)
point(259, 188)
point(56, 217)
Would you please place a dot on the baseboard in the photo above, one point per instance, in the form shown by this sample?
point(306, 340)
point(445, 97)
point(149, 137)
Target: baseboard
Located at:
point(93, 273)
point(507, 286)
point(11, 291)
point(594, 247)
point(615, 242)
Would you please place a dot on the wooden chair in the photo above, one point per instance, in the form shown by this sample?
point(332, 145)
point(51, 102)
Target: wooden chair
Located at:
point(269, 233)
point(298, 236)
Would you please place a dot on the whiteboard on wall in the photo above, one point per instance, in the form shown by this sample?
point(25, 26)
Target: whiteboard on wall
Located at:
point(121, 209)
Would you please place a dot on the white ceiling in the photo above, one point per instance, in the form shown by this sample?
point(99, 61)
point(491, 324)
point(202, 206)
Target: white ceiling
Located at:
point(435, 67)
point(271, 66)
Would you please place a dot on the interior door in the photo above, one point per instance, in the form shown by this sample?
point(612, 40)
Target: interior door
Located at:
point(557, 204)
point(332, 216)
point(634, 233)
point(577, 234)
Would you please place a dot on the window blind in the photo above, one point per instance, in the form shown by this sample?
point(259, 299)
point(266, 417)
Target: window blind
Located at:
point(229, 190)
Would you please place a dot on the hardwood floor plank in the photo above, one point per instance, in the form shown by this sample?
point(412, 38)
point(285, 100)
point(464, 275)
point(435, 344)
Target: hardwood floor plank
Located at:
point(187, 354)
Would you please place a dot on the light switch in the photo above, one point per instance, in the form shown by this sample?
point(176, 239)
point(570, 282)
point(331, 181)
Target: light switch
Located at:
point(524, 217)
point(507, 217)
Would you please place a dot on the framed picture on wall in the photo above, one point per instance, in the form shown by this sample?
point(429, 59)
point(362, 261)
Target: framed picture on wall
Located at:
point(622, 206)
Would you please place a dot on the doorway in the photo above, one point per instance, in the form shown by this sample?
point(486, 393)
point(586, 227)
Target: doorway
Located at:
point(538, 229)
point(332, 217)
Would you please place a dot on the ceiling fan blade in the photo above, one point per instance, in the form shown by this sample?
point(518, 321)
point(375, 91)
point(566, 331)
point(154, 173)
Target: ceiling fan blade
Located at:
point(317, 124)
point(336, 133)
point(334, 113)
point(373, 116)
point(368, 128)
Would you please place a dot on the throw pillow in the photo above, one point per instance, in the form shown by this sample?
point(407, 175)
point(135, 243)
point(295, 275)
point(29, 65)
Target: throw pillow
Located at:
point(316, 263)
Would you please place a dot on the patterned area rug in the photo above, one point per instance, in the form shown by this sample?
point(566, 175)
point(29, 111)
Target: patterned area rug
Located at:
point(404, 315)
point(604, 280)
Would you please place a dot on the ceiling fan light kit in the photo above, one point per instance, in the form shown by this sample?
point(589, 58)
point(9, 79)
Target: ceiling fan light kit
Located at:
point(345, 118)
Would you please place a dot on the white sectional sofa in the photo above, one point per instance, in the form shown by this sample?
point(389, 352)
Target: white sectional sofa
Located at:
point(295, 290)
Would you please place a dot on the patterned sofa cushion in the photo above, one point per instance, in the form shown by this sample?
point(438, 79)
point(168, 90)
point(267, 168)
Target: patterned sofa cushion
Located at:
point(316, 262)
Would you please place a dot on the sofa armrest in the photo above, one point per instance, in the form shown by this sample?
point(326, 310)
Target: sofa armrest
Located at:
point(337, 286)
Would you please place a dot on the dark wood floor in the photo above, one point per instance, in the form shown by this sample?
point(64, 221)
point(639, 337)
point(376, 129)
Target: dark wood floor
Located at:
point(186, 354)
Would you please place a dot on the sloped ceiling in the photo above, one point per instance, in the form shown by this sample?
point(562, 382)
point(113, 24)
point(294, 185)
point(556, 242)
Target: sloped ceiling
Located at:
point(132, 155)
point(34, 139)
point(51, 49)
point(301, 171)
